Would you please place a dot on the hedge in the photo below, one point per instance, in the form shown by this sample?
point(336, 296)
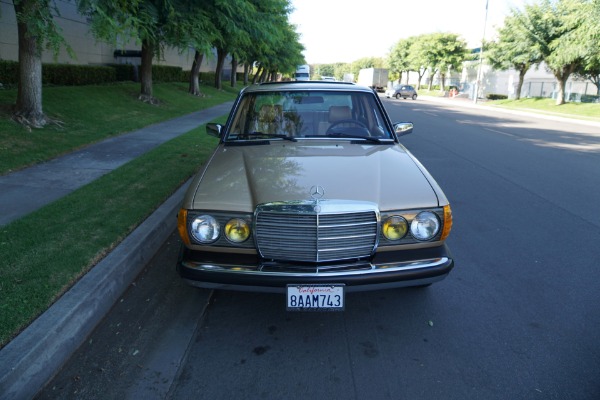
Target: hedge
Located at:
point(493, 96)
point(75, 75)
point(9, 72)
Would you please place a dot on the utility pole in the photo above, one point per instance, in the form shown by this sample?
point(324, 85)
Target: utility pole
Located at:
point(478, 81)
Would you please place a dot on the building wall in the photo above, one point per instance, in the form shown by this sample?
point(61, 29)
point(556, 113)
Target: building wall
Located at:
point(86, 49)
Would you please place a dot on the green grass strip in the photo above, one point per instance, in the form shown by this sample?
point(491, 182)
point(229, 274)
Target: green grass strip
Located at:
point(43, 254)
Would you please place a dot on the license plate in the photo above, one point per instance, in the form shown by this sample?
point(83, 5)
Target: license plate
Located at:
point(315, 297)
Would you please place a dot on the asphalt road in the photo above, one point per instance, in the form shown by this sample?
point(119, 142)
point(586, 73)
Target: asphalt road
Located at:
point(518, 317)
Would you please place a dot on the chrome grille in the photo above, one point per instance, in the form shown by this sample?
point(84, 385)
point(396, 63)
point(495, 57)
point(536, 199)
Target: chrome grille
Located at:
point(297, 232)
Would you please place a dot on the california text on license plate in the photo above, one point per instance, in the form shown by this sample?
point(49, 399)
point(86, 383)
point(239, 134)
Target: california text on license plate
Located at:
point(315, 297)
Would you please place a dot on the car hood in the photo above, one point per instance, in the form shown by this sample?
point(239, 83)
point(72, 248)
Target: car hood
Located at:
point(238, 178)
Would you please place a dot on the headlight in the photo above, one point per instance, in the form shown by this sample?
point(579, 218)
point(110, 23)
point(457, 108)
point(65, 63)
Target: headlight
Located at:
point(205, 229)
point(395, 227)
point(237, 230)
point(425, 226)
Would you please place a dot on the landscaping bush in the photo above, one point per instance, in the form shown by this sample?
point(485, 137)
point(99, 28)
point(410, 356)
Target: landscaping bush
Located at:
point(76, 75)
point(9, 72)
point(493, 96)
point(588, 98)
point(165, 73)
point(125, 72)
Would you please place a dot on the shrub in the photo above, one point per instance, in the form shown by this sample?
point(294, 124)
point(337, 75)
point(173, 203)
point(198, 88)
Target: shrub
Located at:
point(165, 73)
point(73, 75)
point(9, 72)
point(125, 72)
point(588, 98)
point(493, 96)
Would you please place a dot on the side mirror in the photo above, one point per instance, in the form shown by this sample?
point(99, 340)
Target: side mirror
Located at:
point(403, 128)
point(214, 129)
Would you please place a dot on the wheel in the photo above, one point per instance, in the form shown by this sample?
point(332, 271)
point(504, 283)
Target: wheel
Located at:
point(397, 96)
point(414, 96)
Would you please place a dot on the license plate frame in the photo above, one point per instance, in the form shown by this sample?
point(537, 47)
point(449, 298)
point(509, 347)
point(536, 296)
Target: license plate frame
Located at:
point(316, 297)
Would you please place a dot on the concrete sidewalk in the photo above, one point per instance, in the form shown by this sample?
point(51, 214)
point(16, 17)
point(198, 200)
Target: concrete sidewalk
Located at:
point(36, 354)
point(27, 190)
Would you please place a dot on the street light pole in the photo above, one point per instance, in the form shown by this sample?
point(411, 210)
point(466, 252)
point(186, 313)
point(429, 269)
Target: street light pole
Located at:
point(478, 81)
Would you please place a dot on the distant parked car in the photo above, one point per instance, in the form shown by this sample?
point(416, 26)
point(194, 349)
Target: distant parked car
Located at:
point(328, 78)
point(404, 91)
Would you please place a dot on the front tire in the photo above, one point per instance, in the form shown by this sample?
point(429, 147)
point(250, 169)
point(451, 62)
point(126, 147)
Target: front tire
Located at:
point(397, 96)
point(414, 96)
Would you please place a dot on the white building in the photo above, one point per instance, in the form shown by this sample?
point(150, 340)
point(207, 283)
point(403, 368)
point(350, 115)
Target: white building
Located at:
point(75, 30)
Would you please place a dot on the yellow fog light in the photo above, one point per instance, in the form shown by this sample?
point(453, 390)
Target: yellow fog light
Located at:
point(237, 230)
point(395, 227)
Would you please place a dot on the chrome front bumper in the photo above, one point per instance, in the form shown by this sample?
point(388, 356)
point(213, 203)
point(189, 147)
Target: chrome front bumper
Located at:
point(274, 277)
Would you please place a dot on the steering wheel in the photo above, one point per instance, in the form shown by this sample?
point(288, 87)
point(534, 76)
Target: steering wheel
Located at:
point(346, 121)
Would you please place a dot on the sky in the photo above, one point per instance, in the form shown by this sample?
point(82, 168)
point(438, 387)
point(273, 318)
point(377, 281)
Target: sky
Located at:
point(345, 31)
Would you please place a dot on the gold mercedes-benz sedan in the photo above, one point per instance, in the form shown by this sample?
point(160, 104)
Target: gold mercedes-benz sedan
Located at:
point(309, 193)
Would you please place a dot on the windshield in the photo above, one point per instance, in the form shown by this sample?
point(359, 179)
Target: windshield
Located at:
point(308, 114)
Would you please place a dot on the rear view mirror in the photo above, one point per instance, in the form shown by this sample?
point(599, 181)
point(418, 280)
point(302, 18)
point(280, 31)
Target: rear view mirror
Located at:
point(214, 129)
point(403, 128)
point(308, 99)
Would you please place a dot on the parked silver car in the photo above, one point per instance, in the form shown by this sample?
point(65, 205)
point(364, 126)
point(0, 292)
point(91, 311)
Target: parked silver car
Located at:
point(404, 91)
point(310, 193)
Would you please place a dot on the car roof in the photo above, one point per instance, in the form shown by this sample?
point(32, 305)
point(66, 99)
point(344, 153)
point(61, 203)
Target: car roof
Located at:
point(307, 85)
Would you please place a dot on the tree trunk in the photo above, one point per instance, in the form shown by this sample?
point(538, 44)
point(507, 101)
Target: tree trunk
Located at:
point(28, 110)
point(256, 76)
point(234, 67)
point(146, 71)
point(407, 76)
point(194, 87)
point(221, 54)
point(263, 75)
point(443, 80)
point(522, 72)
point(431, 79)
point(419, 80)
point(562, 75)
point(246, 74)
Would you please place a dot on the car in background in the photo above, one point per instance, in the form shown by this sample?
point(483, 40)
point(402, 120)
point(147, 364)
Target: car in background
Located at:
point(310, 193)
point(328, 78)
point(404, 91)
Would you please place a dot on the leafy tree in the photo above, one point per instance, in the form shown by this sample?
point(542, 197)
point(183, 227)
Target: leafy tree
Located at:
point(553, 28)
point(155, 23)
point(513, 49)
point(588, 36)
point(453, 56)
point(418, 57)
point(202, 33)
point(398, 59)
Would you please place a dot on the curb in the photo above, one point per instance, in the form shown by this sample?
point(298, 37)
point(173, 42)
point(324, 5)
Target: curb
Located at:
point(31, 359)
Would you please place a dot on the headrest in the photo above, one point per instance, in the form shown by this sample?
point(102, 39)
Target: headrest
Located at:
point(337, 113)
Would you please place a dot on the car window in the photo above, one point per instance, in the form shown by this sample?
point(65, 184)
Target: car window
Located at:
point(307, 115)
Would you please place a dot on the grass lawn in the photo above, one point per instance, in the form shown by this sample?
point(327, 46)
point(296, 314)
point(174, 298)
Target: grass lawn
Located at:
point(44, 253)
point(586, 111)
point(89, 114)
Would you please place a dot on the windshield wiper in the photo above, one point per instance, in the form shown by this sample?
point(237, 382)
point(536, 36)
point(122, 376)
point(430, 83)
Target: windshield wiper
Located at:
point(366, 138)
point(262, 135)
